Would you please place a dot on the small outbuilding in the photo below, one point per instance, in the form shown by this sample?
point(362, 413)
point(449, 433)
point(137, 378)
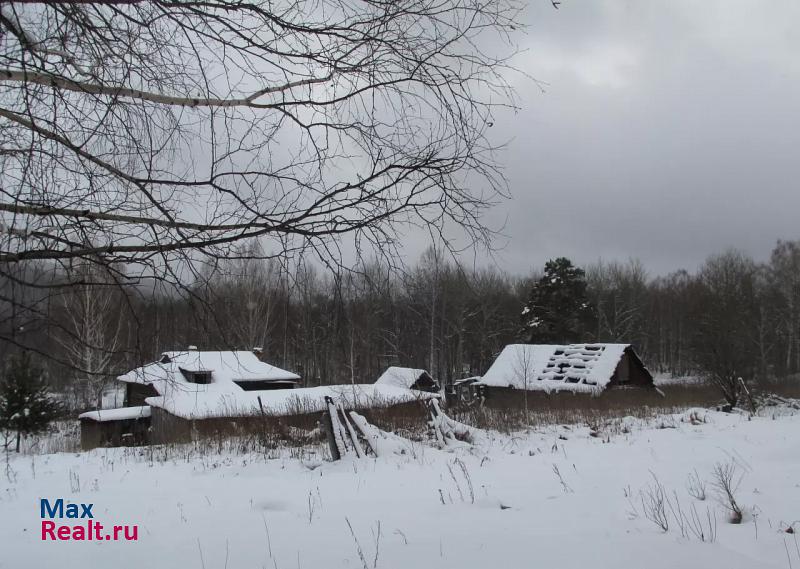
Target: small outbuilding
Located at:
point(126, 426)
point(583, 368)
point(462, 390)
point(591, 369)
point(409, 378)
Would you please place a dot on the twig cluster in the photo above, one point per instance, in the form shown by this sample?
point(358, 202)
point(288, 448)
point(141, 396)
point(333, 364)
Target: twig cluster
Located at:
point(665, 510)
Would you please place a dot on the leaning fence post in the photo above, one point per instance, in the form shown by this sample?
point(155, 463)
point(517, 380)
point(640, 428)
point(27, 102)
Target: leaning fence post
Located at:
point(362, 426)
point(330, 434)
point(351, 433)
point(436, 421)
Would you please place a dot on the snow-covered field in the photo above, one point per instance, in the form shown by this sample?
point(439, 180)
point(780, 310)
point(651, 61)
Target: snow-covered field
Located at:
point(554, 498)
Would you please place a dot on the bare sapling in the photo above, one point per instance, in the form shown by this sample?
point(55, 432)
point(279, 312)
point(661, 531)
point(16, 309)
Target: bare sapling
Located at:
point(654, 503)
point(696, 486)
point(726, 482)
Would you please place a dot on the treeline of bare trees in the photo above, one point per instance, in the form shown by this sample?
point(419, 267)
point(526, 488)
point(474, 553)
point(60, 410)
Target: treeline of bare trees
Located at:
point(733, 317)
point(142, 142)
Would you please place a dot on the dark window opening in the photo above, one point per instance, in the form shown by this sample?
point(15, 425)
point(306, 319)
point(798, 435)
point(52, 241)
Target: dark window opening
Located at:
point(199, 377)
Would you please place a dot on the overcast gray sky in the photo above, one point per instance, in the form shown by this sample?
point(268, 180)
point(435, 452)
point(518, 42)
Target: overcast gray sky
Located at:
point(668, 131)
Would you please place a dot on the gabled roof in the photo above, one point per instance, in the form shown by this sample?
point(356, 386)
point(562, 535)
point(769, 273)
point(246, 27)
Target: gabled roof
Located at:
point(584, 368)
point(400, 376)
point(225, 368)
point(223, 398)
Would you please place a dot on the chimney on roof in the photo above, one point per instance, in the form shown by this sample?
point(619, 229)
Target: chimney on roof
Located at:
point(192, 348)
point(258, 351)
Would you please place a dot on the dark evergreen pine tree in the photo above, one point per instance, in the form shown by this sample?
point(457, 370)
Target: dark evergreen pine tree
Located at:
point(25, 404)
point(558, 309)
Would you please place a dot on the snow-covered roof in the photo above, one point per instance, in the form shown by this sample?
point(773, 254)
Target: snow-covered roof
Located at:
point(400, 376)
point(225, 369)
point(467, 380)
point(585, 368)
point(121, 414)
point(216, 402)
point(222, 397)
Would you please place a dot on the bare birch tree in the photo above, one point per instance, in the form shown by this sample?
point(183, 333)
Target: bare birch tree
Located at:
point(524, 373)
point(92, 324)
point(151, 134)
point(246, 286)
point(785, 277)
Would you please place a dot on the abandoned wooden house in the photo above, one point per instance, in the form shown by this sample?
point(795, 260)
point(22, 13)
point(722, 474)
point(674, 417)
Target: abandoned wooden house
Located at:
point(600, 370)
point(408, 378)
point(177, 374)
point(189, 394)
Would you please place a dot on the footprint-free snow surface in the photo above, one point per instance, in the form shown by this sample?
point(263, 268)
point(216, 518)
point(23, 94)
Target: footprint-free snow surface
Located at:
point(558, 497)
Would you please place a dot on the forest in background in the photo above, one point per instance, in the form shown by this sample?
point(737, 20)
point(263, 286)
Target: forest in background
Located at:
point(142, 165)
point(732, 315)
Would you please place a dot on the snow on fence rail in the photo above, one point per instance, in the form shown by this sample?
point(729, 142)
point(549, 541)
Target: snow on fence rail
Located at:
point(345, 432)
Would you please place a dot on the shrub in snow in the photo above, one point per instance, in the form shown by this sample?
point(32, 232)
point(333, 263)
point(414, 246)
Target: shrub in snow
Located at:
point(696, 486)
point(654, 504)
point(665, 510)
point(726, 482)
point(727, 323)
point(26, 407)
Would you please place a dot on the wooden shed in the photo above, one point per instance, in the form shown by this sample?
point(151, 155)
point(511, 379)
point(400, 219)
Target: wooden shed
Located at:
point(408, 378)
point(588, 369)
point(126, 426)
